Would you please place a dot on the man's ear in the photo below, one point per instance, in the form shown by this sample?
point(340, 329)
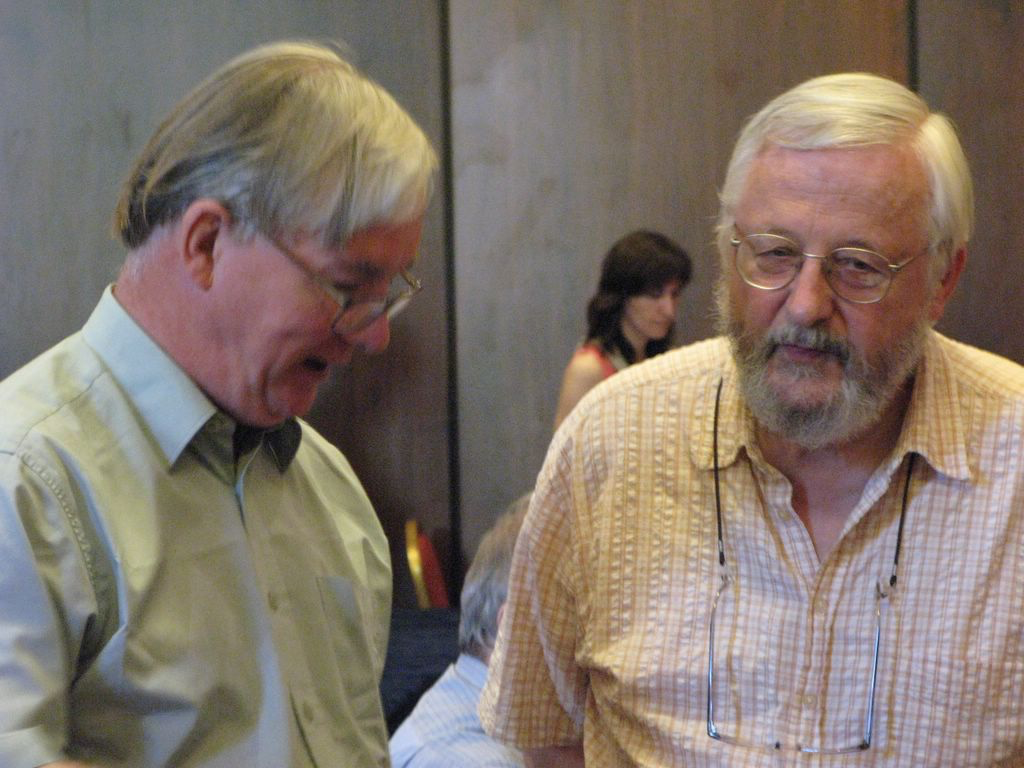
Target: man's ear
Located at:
point(204, 222)
point(947, 284)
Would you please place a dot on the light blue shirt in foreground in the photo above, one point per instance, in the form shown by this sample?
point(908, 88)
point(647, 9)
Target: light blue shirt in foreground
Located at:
point(160, 605)
point(444, 730)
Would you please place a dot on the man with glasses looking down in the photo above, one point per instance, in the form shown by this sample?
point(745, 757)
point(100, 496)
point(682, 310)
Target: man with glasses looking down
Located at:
point(189, 574)
point(800, 542)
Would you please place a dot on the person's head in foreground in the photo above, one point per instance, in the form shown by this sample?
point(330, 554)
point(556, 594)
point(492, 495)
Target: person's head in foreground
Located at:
point(845, 214)
point(273, 221)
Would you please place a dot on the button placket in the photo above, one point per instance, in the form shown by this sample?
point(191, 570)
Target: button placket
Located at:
point(295, 674)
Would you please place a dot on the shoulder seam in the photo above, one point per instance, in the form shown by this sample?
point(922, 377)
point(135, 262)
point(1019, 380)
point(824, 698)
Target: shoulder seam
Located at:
point(41, 471)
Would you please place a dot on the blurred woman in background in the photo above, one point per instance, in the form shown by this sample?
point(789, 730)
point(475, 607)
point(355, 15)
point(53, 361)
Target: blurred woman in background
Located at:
point(632, 315)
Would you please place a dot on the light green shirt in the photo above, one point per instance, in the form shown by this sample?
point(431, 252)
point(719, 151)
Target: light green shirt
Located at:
point(160, 605)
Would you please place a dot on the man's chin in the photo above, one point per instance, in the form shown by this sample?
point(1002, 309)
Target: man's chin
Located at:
point(297, 407)
point(802, 389)
point(293, 402)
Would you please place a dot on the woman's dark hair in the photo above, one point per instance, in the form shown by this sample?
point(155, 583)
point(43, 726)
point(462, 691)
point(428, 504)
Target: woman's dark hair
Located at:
point(641, 262)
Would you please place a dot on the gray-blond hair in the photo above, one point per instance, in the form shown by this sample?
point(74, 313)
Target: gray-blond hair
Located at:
point(486, 586)
point(292, 139)
point(857, 110)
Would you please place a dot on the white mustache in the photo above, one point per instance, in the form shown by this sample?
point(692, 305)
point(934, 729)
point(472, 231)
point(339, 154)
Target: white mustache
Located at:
point(816, 339)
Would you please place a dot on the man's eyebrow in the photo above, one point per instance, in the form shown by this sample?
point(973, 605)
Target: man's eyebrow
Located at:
point(859, 242)
point(368, 272)
point(853, 242)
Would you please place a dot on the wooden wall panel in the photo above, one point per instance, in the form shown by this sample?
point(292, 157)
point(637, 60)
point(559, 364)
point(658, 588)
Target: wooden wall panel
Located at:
point(574, 122)
point(971, 67)
point(84, 85)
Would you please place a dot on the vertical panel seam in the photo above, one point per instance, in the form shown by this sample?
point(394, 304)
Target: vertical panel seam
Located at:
point(913, 53)
point(455, 560)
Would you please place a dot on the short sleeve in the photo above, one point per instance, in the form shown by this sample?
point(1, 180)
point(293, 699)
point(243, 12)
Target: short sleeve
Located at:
point(536, 693)
point(45, 599)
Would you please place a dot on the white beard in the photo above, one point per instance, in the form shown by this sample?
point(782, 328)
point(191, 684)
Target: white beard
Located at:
point(867, 389)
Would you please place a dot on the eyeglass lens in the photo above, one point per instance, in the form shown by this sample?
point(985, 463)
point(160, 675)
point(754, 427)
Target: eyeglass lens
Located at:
point(357, 314)
point(772, 262)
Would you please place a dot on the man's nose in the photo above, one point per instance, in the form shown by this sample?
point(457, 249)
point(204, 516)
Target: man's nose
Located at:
point(810, 298)
point(374, 338)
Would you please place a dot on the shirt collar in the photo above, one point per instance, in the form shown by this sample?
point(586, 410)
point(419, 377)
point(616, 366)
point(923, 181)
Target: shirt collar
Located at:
point(282, 441)
point(933, 426)
point(168, 402)
point(471, 670)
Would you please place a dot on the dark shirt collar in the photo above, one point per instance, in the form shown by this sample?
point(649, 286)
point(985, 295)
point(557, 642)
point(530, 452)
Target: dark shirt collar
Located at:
point(282, 440)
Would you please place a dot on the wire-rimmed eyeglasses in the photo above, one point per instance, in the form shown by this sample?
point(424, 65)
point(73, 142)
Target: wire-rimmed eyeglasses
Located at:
point(771, 262)
point(715, 732)
point(355, 314)
point(882, 594)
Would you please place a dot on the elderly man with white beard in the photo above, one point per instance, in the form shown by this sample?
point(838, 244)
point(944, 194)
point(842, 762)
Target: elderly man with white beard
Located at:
point(800, 540)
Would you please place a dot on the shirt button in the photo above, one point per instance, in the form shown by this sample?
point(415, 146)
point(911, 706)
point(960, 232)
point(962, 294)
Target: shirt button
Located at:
point(308, 713)
point(272, 600)
point(810, 701)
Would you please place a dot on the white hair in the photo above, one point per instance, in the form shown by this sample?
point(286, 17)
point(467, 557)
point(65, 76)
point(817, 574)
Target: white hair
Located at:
point(292, 139)
point(858, 110)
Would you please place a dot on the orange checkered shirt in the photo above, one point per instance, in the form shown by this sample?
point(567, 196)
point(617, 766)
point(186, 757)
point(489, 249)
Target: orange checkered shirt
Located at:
point(605, 634)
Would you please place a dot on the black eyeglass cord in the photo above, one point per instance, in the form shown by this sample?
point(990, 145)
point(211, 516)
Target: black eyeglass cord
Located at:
point(718, 493)
point(718, 497)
